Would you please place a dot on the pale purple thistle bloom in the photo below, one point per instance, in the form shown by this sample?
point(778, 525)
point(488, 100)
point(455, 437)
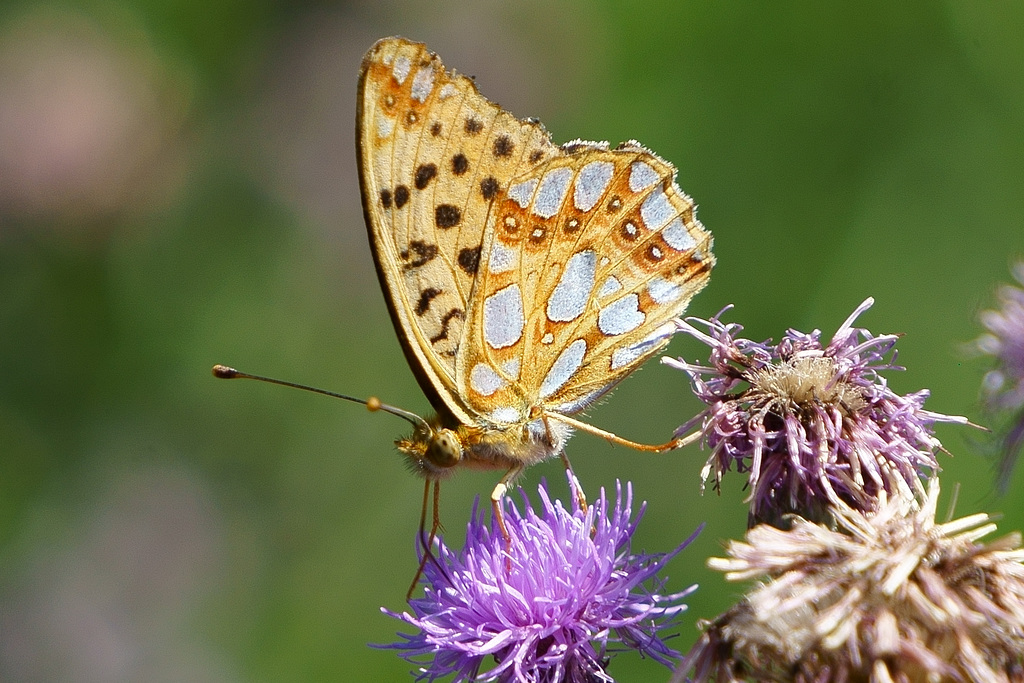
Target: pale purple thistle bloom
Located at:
point(1003, 386)
point(812, 424)
point(543, 607)
point(890, 595)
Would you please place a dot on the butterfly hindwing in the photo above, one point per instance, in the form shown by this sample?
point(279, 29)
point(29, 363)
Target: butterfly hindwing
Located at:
point(587, 258)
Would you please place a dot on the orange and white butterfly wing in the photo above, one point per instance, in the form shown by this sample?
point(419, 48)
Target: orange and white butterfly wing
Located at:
point(433, 154)
point(588, 258)
point(519, 275)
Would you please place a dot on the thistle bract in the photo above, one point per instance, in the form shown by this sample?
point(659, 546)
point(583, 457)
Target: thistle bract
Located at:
point(886, 595)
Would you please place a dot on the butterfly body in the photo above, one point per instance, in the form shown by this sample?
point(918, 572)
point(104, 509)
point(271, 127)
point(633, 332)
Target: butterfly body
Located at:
point(524, 279)
point(434, 451)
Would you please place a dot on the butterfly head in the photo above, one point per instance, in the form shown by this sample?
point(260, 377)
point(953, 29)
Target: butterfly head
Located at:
point(433, 451)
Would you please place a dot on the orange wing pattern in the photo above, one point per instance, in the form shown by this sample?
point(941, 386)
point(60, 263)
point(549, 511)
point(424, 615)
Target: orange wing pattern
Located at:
point(520, 275)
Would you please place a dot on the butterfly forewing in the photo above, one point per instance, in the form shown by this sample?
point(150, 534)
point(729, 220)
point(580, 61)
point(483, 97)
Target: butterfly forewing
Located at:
point(433, 155)
point(587, 257)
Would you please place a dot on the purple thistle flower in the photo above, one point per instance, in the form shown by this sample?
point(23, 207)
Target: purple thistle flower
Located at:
point(813, 425)
point(543, 606)
point(1003, 386)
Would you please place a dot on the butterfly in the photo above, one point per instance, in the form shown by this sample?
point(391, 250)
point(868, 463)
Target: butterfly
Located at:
point(524, 279)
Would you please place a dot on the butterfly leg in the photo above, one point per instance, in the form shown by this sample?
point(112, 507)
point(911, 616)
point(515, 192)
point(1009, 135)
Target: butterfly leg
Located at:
point(427, 542)
point(497, 494)
point(678, 442)
point(581, 497)
point(577, 487)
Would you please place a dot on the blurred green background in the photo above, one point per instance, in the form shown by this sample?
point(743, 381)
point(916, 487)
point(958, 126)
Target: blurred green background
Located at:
point(178, 189)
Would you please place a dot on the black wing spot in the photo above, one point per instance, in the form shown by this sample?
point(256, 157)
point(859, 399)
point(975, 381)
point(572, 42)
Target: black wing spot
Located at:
point(447, 216)
point(424, 174)
point(426, 296)
point(489, 187)
point(385, 198)
point(418, 254)
point(401, 196)
point(460, 164)
point(473, 126)
point(435, 129)
point(469, 259)
point(445, 321)
point(503, 146)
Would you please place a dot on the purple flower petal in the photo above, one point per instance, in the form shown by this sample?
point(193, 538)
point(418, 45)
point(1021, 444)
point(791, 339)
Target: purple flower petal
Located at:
point(1003, 386)
point(811, 424)
point(544, 606)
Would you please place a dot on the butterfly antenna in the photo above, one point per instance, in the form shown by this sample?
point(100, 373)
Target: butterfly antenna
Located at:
point(373, 404)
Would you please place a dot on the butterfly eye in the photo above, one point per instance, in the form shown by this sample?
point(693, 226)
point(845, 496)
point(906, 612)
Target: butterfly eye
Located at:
point(444, 449)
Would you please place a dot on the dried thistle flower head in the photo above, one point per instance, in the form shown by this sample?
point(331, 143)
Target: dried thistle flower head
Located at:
point(888, 595)
point(1003, 386)
point(543, 606)
point(814, 425)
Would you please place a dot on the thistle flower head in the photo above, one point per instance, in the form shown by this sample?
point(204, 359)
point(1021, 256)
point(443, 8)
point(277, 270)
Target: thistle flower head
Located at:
point(888, 595)
point(1003, 386)
point(543, 606)
point(812, 424)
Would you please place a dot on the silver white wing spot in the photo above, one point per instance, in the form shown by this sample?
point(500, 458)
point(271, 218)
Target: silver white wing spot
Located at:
point(641, 176)
point(627, 354)
point(503, 317)
point(553, 188)
point(484, 380)
point(656, 210)
point(385, 125)
point(663, 291)
point(511, 368)
point(505, 415)
point(677, 236)
point(522, 193)
point(572, 292)
point(610, 286)
point(502, 258)
point(621, 316)
point(423, 82)
point(591, 183)
point(401, 69)
point(564, 367)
